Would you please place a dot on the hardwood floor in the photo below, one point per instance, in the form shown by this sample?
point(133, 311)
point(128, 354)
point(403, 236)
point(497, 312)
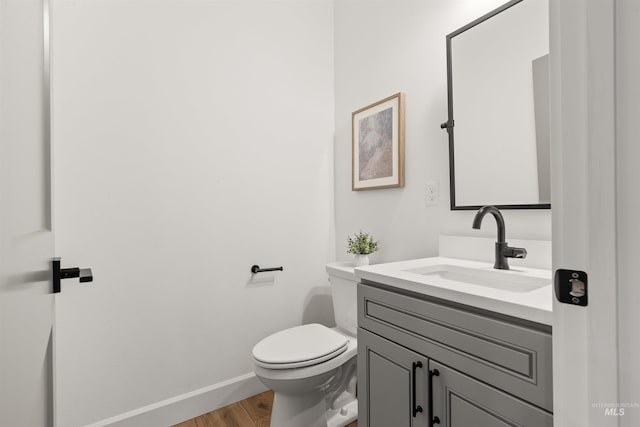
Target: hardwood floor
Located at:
point(252, 412)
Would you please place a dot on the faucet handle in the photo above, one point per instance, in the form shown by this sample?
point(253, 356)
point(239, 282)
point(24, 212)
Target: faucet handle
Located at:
point(510, 252)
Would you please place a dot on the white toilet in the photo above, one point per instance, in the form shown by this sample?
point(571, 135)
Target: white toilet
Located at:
point(311, 368)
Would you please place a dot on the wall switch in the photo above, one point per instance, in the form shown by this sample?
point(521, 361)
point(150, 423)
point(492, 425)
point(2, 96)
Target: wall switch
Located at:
point(432, 194)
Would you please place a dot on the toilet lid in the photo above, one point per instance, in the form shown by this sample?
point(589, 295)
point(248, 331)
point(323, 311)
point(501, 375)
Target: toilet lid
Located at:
point(297, 347)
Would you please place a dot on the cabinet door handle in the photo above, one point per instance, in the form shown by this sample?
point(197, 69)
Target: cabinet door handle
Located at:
point(432, 420)
point(416, 408)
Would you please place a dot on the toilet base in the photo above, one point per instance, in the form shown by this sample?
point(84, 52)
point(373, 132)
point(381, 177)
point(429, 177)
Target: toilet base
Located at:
point(310, 411)
point(344, 416)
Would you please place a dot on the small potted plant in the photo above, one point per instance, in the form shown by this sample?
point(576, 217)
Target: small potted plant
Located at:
point(361, 245)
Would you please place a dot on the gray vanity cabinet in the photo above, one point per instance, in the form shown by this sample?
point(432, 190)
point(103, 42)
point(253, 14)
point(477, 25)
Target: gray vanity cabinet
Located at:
point(486, 369)
point(461, 401)
point(396, 382)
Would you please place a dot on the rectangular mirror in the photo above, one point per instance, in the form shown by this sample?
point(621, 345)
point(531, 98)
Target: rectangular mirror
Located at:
point(498, 90)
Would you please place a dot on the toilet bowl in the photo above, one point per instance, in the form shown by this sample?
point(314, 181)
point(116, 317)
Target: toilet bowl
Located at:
point(312, 368)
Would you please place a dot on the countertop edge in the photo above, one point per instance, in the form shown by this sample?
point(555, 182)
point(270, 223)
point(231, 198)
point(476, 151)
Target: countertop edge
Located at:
point(518, 305)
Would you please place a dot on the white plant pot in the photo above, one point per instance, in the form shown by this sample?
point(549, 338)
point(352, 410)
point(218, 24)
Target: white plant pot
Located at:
point(360, 260)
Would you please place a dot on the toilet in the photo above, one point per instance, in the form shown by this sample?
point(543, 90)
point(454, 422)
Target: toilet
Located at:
point(312, 368)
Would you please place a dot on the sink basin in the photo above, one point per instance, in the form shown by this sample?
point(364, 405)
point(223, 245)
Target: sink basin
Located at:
point(521, 292)
point(506, 280)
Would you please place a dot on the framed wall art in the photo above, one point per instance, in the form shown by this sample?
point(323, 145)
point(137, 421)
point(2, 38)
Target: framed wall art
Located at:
point(378, 144)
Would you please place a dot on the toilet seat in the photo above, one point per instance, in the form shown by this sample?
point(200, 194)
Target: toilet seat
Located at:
point(299, 347)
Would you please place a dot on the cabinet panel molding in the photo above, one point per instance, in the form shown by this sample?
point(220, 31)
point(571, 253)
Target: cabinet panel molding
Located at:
point(513, 357)
point(461, 401)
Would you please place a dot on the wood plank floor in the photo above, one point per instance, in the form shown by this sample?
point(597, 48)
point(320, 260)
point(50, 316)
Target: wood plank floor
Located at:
point(252, 412)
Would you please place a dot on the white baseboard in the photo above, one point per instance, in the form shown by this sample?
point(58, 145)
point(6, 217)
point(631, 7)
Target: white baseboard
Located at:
point(189, 405)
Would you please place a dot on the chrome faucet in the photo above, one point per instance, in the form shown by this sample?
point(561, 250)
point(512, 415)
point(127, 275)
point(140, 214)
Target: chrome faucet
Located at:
point(503, 250)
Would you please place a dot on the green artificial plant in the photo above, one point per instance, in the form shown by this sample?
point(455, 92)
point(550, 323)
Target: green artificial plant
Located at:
point(362, 244)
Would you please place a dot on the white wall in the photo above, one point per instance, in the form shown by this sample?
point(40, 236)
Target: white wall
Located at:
point(192, 140)
point(381, 48)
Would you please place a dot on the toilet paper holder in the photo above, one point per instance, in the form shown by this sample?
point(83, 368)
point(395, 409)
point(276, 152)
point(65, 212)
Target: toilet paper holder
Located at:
point(256, 269)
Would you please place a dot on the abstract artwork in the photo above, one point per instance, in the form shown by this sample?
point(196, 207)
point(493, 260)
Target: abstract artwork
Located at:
point(378, 144)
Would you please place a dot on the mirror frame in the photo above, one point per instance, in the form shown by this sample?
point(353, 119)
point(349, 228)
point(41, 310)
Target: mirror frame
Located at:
point(450, 123)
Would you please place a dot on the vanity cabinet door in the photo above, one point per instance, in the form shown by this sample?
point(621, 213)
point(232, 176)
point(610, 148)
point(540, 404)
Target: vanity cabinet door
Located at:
point(461, 401)
point(392, 384)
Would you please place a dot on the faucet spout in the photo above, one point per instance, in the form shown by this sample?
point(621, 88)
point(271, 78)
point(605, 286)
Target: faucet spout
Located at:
point(477, 221)
point(502, 250)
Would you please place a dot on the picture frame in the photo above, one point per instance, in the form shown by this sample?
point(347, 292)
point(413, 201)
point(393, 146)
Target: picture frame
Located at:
point(377, 144)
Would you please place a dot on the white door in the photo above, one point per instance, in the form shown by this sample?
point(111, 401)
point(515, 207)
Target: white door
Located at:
point(585, 236)
point(26, 238)
point(628, 207)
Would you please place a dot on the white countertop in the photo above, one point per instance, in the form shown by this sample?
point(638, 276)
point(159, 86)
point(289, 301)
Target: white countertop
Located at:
point(534, 305)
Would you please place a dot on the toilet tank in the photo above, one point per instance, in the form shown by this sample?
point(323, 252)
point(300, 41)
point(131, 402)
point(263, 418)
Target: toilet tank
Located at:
point(344, 293)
